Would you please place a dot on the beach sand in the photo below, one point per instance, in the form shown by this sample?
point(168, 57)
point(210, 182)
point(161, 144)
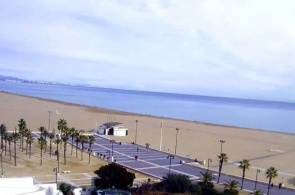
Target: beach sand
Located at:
point(195, 139)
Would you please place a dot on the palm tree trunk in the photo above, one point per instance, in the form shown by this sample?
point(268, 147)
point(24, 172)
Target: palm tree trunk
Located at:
point(9, 150)
point(268, 188)
point(220, 168)
point(30, 153)
point(89, 156)
point(82, 151)
point(76, 149)
point(50, 147)
point(65, 153)
point(22, 143)
point(243, 177)
point(27, 147)
point(45, 145)
point(72, 145)
point(41, 155)
point(14, 153)
point(2, 142)
point(5, 146)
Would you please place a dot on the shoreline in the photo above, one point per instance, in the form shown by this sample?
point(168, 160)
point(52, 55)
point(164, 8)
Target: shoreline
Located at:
point(195, 139)
point(112, 111)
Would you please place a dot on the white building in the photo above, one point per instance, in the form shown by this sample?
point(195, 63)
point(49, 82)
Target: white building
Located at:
point(112, 128)
point(16, 186)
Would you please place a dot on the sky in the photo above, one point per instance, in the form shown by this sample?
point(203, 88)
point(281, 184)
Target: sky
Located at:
point(225, 48)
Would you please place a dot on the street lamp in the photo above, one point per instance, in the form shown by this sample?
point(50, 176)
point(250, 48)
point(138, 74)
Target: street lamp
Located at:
point(176, 139)
point(55, 170)
point(57, 162)
point(209, 160)
point(136, 130)
point(221, 141)
point(112, 141)
point(257, 171)
point(170, 156)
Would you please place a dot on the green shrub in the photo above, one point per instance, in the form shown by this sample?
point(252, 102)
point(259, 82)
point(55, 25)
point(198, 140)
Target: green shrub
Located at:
point(176, 183)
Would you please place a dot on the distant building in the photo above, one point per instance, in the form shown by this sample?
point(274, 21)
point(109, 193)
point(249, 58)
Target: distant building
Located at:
point(112, 128)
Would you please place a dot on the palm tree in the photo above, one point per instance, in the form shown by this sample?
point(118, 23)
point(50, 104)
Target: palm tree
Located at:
point(42, 143)
point(231, 186)
point(51, 138)
point(6, 135)
point(271, 173)
point(61, 125)
point(42, 130)
point(57, 141)
point(3, 130)
point(65, 137)
point(207, 177)
point(22, 126)
point(27, 135)
point(77, 140)
point(257, 192)
point(222, 159)
point(83, 139)
point(10, 139)
point(244, 164)
point(91, 140)
point(73, 132)
point(45, 134)
point(15, 138)
point(29, 141)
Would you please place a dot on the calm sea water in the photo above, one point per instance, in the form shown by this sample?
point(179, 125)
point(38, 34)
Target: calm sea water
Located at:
point(265, 115)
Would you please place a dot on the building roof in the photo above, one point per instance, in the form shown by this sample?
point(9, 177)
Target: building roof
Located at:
point(111, 124)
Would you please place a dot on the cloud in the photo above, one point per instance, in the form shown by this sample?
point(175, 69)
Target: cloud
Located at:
point(228, 48)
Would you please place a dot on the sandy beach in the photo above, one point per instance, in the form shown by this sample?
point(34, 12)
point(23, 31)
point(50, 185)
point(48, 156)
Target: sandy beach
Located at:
point(195, 139)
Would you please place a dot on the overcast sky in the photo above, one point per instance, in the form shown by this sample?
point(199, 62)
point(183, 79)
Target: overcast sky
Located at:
point(220, 48)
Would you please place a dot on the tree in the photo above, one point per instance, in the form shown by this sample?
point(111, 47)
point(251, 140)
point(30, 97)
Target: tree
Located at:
point(10, 139)
point(257, 192)
point(91, 140)
point(42, 143)
point(207, 179)
point(15, 138)
point(61, 125)
point(244, 164)
point(195, 189)
point(114, 175)
point(3, 130)
point(51, 138)
point(73, 133)
point(45, 134)
point(57, 141)
point(27, 135)
point(231, 187)
point(29, 141)
point(42, 130)
point(271, 173)
point(176, 183)
point(65, 188)
point(65, 137)
point(5, 137)
point(83, 140)
point(22, 126)
point(77, 140)
point(222, 159)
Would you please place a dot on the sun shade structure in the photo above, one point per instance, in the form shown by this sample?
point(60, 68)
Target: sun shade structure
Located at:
point(112, 128)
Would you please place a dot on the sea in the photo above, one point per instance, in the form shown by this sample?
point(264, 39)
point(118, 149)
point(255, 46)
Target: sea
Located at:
point(256, 114)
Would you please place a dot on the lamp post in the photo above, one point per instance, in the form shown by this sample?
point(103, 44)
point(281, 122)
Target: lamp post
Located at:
point(49, 112)
point(55, 170)
point(221, 142)
point(170, 156)
point(1, 164)
point(257, 171)
point(112, 158)
point(176, 139)
point(57, 162)
point(209, 160)
point(136, 121)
